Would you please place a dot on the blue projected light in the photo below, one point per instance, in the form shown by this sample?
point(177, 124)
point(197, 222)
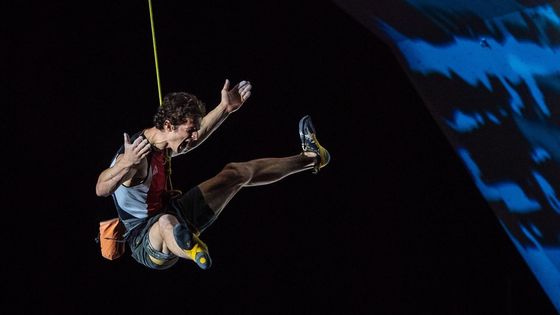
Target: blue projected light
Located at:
point(510, 61)
point(513, 196)
point(499, 65)
point(462, 122)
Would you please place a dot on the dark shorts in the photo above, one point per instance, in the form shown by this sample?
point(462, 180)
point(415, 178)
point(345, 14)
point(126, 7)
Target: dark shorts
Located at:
point(190, 209)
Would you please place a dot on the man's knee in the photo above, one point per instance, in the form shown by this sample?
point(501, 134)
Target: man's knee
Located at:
point(166, 222)
point(239, 173)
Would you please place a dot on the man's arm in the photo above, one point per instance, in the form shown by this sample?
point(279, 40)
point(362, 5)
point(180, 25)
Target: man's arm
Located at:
point(125, 166)
point(231, 100)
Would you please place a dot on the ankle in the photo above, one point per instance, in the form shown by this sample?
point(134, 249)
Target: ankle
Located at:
point(309, 154)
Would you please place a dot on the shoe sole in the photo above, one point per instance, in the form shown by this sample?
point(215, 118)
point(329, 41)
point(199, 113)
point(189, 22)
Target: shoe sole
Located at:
point(202, 258)
point(302, 123)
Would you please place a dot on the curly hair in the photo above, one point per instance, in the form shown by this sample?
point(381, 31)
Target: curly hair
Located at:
point(177, 107)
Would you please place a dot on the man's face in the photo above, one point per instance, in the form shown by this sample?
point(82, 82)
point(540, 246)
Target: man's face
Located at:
point(185, 135)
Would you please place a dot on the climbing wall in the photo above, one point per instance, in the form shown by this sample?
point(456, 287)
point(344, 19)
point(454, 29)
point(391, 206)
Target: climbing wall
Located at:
point(489, 72)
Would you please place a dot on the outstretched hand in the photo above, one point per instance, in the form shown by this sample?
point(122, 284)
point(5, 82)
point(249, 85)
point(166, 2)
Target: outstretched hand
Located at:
point(134, 152)
point(235, 97)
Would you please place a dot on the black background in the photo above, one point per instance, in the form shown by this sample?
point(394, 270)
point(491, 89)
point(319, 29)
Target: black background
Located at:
point(394, 225)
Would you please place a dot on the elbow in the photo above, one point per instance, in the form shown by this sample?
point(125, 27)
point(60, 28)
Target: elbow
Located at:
point(100, 192)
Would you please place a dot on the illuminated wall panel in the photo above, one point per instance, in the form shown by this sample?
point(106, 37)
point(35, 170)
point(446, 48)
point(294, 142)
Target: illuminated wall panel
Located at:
point(489, 72)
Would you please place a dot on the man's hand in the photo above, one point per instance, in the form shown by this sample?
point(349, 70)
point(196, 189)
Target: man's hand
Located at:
point(234, 98)
point(136, 151)
point(125, 167)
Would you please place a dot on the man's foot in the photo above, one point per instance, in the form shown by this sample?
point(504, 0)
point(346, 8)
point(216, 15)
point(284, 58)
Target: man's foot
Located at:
point(309, 143)
point(192, 246)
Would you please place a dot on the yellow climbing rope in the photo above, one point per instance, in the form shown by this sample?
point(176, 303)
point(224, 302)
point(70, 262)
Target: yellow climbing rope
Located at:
point(168, 153)
point(155, 50)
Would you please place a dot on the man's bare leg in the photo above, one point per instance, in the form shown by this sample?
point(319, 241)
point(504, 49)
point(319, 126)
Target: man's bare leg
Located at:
point(219, 190)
